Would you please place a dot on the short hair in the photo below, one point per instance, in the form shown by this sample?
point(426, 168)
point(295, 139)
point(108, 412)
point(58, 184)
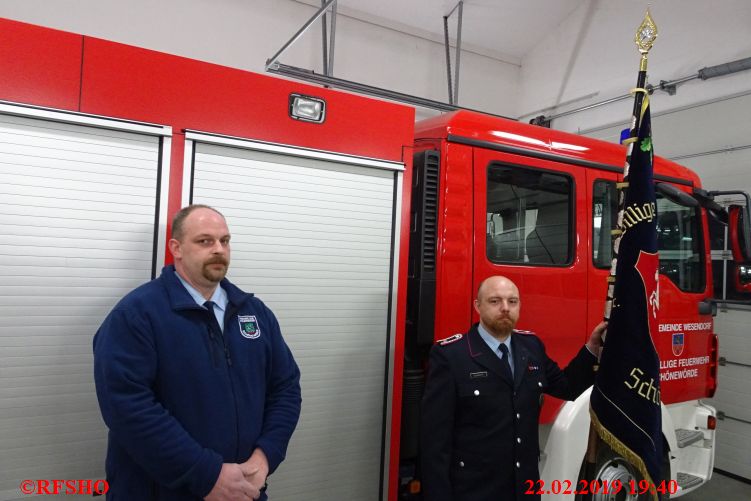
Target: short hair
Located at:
point(178, 222)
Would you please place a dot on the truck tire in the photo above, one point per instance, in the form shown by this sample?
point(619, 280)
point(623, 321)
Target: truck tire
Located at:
point(610, 466)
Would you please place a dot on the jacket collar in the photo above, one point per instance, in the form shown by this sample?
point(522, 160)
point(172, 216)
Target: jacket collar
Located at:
point(483, 355)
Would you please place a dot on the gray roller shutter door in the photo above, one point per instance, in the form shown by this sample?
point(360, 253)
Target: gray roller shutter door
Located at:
point(77, 214)
point(313, 240)
point(717, 140)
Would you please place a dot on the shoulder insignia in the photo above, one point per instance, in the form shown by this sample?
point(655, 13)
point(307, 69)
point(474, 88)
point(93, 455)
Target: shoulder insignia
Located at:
point(518, 331)
point(450, 339)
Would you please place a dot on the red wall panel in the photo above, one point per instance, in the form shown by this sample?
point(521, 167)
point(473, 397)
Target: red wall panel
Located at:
point(140, 84)
point(39, 66)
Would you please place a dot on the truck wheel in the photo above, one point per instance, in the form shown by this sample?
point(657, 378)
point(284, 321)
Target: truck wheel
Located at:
point(611, 467)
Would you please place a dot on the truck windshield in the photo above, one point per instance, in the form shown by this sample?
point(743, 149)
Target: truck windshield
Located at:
point(679, 239)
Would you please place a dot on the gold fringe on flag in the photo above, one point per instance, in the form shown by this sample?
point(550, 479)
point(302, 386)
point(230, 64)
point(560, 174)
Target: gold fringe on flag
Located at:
point(624, 451)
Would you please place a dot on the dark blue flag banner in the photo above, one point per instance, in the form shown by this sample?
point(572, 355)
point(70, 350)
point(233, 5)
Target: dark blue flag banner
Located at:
point(625, 402)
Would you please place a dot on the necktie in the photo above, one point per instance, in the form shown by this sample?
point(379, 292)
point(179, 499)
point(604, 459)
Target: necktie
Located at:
point(209, 305)
point(504, 361)
point(216, 331)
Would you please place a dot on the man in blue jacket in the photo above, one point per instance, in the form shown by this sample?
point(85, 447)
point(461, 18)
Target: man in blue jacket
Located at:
point(199, 390)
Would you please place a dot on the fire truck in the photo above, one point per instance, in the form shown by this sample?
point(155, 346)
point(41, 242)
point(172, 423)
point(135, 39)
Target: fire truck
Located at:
point(367, 235)
point(492, 196)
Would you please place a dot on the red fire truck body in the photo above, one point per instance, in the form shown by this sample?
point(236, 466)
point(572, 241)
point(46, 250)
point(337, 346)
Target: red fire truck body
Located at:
point(505, 190)
point(508, 198)
point(562, 302)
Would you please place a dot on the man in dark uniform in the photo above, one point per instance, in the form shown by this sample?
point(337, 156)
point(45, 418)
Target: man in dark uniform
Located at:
point(482, 400)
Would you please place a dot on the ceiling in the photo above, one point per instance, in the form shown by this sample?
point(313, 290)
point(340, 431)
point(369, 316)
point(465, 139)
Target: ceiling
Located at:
point(504, 29)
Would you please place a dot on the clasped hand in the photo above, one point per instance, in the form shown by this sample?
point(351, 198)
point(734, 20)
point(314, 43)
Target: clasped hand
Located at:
point(241, 482)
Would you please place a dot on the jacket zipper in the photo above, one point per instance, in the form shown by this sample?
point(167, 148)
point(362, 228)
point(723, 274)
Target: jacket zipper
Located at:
point(228, 314)
point(226, 350)
point(212, 348)
point(228, 358)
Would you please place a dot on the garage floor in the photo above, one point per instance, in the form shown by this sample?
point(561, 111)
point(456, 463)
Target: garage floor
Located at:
point(720, 488)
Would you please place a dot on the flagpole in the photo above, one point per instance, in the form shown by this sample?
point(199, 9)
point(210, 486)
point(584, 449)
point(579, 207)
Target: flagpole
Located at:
point(645, 36)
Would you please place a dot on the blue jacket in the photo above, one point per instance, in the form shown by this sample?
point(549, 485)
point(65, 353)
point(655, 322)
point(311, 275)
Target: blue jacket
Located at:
point(180, 398)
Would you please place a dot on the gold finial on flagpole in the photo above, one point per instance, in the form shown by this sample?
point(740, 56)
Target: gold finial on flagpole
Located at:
point(646, 34)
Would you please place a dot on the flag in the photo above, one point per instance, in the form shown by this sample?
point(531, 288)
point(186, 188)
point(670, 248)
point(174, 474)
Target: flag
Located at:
point(625, 402)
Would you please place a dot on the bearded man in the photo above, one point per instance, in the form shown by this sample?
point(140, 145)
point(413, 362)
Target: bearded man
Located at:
point(482, 400)
point(195, 383)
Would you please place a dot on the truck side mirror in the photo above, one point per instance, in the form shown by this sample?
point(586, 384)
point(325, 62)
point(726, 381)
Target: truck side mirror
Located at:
point(714, 210)
point(675, 195)
point(743, 277)
point(739, 232)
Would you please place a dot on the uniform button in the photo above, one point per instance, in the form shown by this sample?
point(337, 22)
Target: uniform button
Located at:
point(539, 383)
point(461, 463)
point(518, 415)
point(477, 392)
point(518, 464)
point(518, 440)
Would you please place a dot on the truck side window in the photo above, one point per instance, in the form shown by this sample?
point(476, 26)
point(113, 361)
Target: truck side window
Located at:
point(604, 217)
point(529, 216)
point(679, 239)
point(679, 244)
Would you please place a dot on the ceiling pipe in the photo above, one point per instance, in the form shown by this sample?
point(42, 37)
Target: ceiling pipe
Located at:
point(668, 86)
point(458, 56)
point(360, 88)
point(273, 59)
point(448, 57)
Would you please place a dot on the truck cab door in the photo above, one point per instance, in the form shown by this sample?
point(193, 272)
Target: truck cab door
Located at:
point(684, 334)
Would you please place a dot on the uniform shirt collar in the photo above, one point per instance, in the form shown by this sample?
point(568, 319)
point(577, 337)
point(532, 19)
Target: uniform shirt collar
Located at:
point(219, 297)
point(492, 342)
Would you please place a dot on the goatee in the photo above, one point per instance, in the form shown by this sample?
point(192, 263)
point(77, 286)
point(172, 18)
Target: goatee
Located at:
point(503, 326)
point(215, 275)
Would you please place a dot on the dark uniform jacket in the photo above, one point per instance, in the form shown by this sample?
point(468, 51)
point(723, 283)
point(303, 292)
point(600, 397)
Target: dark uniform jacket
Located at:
point(479, 429)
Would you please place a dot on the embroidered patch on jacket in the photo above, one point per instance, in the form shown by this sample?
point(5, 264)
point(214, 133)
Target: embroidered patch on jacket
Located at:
point(249, 327)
